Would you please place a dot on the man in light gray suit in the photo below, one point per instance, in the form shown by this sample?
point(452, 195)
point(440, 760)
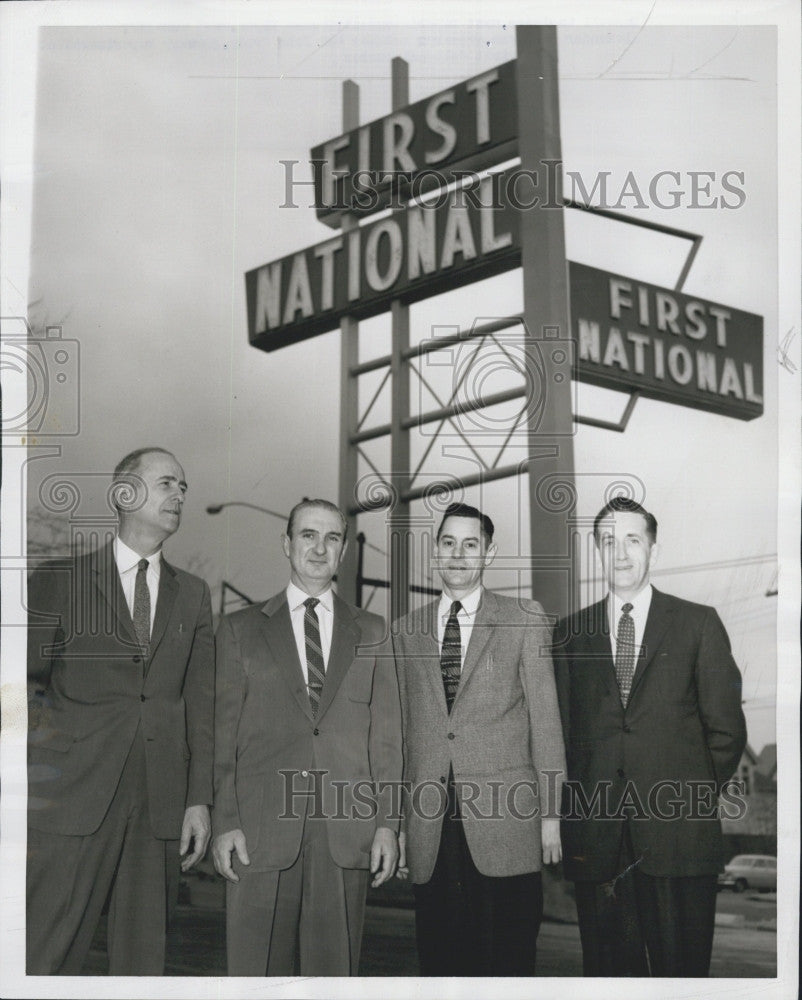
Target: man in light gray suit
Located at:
point(484, 762)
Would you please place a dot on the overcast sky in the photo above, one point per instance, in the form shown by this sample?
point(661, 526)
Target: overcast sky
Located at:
point(155, 182)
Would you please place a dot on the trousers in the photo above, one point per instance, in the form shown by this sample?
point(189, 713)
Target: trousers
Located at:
point(304, 920)
point(70, 878)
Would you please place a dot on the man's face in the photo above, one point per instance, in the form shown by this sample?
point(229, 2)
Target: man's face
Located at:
point(315, 549)
point(461, 554)
point(626, 552)
point(159, 497)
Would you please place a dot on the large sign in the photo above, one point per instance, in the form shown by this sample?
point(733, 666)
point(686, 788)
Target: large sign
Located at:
point(670, 346)
point(629, 334)
point(411, 254)
point(466, 128)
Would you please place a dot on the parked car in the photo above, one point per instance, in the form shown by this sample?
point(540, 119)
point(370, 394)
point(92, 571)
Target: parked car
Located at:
point(749, 871)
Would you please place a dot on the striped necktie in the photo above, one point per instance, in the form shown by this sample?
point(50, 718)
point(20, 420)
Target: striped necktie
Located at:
point(451, 655)
point(315, 666)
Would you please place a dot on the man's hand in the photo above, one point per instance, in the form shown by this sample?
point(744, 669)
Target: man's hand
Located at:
point(383, 855)
point(222, 849)
point(402, 871)
point(196, 830)
point(550, 837)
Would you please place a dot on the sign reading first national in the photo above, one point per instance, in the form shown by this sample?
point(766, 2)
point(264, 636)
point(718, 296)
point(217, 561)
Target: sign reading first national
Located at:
point(629, 335)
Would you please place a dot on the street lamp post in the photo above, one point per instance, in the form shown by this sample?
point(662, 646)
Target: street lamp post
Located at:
point(215, 508)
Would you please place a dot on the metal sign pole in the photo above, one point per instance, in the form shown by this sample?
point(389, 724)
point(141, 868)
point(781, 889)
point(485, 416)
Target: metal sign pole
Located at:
point(349, 396)
point(546, 315)
point(399, 434)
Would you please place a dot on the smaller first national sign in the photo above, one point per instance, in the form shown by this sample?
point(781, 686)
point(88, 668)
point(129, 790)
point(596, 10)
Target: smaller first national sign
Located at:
point(632, 335)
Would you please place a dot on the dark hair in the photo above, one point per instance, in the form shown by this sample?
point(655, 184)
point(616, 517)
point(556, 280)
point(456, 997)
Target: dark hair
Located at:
point(324, 504)
point(465, 510)
point(625, 505)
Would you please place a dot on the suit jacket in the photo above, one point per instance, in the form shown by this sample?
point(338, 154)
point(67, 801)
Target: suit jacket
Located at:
point(264, 725)
point(502, 737)
point(683, 724)
point(91, 690)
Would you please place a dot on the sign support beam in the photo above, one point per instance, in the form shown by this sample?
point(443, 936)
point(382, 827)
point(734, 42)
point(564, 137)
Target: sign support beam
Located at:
point(399, 521)
point(349, 398)
point(546, 316)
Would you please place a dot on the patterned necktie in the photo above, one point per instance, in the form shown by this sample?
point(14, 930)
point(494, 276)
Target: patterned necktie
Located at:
point(314, 653)
point(625, 653)
point(142, 606)
point(451, 655)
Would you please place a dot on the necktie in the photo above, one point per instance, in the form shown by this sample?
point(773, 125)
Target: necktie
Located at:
point(316, 669)
point(625, 653)
point(451, 655)
point(142, 606)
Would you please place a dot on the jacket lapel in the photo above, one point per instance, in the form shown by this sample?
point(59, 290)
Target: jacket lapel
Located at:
point(657, 622)
point(429, 651)
point(277, 632)
point(168, 589)
point(345, 638)
point(596, 630)
point(107, 581)
point(486, 617)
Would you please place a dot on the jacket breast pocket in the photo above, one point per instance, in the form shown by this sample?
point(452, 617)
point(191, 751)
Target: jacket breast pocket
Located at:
point(359, 682)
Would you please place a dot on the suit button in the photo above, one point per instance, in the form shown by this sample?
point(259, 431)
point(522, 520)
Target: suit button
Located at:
point(142, 698)
point(620, 772)
point(442, 779)
point(137, 659)
point(304, 774)
point(451, 736)
point(627, 729)
point(316, 732)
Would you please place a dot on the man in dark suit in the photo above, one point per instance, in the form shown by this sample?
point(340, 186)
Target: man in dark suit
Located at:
point(121, 678)
point(484, 759)
point(650, 699)
point(308, 731)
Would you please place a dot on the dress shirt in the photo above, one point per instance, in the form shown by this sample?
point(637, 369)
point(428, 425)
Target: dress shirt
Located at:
point(128, 566)
point(639, 613)
point(325, 616)
point(465, 616)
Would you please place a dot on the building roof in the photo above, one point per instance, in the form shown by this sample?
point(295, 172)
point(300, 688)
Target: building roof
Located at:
point(767, 761)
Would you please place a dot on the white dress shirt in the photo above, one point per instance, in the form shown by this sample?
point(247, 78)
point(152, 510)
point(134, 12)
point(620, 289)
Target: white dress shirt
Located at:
point(465, 616)
point(639, 614)
point(325, 616)
point(128, 566)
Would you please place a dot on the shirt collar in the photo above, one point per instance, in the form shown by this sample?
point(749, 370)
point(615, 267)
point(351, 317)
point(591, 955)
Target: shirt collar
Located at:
point(126, 558)
point(470, 603)
point(296, 598)
point(640, 604)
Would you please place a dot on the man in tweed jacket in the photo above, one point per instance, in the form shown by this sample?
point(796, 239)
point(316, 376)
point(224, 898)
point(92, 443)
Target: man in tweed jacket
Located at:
point(484, 761)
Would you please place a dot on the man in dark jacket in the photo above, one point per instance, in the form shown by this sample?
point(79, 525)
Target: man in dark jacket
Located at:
point(121, 679)
point(650, 699)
